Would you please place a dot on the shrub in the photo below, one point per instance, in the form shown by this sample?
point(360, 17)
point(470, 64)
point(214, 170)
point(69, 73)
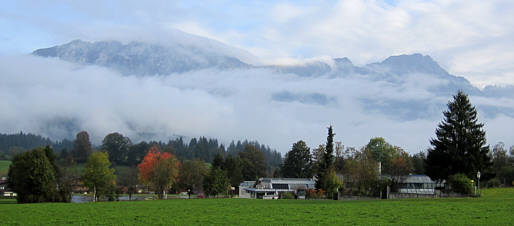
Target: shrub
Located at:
point(460, 183)
point(315, 194)
point(493, 183)
point(287, 195)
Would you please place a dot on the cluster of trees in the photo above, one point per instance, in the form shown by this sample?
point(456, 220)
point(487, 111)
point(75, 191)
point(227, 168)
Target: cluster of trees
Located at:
point(153, 164)
point(230, 171)
point(36, 176)
point(458, 150)
point(359, 168)
point(122, 151)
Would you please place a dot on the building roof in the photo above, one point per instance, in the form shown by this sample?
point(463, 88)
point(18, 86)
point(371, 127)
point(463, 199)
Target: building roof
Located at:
point(416, 179)
point(246, 183)
point(288, 180)
point(265, 189)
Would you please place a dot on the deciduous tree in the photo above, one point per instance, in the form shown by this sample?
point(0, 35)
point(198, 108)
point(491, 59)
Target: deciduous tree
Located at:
point(384, 153)
point(117, 146)
point(159, 169)
point(32, 177)
point(297, 163)
point(81, 147)
point(192, 174)
point(99, 176)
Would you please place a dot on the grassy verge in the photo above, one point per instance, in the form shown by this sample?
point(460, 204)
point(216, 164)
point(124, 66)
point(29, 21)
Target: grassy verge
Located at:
point(494, 208)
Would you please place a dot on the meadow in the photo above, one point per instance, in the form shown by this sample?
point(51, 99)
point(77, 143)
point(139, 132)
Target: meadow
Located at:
point(4, 167)
point(493, 208)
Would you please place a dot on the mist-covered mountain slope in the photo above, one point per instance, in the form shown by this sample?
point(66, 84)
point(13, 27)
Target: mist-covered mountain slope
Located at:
point(185, 55)
point(139, 58)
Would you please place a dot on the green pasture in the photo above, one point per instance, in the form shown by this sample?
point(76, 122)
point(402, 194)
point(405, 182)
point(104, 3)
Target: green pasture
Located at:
point(4, 167)
point(495, 207)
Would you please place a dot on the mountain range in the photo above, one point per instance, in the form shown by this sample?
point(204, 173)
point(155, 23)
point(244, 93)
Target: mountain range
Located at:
point(150, 59)
point(146, 59)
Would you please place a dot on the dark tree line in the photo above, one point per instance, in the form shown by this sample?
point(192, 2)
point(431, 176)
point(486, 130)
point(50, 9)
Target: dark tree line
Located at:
point(12, 144)
point(122, 151)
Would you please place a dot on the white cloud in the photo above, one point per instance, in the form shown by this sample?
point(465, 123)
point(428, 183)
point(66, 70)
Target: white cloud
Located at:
point(234, 104)
point(473, 39)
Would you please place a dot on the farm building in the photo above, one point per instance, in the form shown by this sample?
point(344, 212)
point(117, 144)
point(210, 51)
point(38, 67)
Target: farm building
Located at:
point(271, 188)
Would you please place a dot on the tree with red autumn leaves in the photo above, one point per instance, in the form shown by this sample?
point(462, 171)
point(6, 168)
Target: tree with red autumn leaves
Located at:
point(159, 170)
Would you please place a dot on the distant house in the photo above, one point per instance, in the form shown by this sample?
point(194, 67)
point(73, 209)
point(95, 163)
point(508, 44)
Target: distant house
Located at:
point(271, 188)
point(417, 184)
point(3, 184)
point(4, 189)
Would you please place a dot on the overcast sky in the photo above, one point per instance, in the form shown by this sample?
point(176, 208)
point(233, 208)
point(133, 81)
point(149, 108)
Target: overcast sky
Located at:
point(473, 39)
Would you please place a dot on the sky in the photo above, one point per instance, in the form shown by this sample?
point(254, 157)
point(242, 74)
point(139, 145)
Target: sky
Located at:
point(473, 39)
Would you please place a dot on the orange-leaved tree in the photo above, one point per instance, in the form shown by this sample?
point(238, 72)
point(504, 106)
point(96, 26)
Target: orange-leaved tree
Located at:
point(159, 170)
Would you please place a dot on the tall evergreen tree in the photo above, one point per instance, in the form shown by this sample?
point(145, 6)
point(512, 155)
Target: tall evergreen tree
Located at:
point(460, 144)
point(218, 161)
point(327, 162)
point(329, 149)
point(297, 163)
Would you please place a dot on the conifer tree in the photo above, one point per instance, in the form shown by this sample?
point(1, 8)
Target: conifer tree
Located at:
point(327, 162)
point(460, 144)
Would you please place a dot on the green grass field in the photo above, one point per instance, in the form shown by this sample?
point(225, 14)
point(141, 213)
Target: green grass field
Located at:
point(4, 167)
point(494, 208)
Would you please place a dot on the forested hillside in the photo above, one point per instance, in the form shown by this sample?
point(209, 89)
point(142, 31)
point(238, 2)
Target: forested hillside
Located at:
point(11, 144)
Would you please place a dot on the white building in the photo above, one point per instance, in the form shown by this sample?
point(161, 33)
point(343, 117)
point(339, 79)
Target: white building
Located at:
point(270, 188)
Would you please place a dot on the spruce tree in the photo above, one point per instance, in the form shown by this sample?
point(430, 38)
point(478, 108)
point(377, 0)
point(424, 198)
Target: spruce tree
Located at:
point(460, 144)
